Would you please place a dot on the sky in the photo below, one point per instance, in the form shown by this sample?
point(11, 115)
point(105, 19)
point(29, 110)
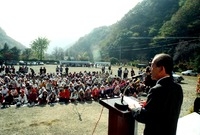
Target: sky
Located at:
point(63, 22)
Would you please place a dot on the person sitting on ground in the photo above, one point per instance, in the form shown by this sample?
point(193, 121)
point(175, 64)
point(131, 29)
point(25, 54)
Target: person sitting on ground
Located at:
point(32, 99)
point(117, 90)
point(24, 89)
point(52, 98)
point(88, 94)
point(67, 94)
point(74, 96)
point(129, 89)
point(9, 99)
point(14, 92)
point(49, 85)
point(109, 90)
point(2, 101)
point(95, 93)
point(102, 91)
point(62, 97)
point(4, 90)
point(71, 87)
point(42, 98)
point(22, 99)
point(41, 90)
point(81, 95)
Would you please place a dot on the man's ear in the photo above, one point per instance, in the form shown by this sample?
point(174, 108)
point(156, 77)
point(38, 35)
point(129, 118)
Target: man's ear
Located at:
point(160, 68)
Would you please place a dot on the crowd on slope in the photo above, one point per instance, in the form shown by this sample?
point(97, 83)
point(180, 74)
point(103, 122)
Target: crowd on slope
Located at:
point(28, 88)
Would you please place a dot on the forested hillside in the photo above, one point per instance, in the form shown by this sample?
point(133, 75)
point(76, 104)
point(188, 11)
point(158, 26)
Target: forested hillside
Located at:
point(88, 47)
point(153, 26)
point(5, 39)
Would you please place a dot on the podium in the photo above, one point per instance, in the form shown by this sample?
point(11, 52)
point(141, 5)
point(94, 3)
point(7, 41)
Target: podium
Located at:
point(119, 122)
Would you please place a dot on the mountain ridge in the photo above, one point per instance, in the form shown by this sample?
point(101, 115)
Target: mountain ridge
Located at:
point(4, 38)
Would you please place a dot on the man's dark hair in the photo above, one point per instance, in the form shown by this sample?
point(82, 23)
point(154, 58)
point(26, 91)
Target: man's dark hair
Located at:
point(166, 61)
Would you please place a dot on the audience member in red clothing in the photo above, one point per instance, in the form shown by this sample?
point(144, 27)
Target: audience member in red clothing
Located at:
point(32, 99)
point(67, 94)
point(95, 93)
point(61, 95)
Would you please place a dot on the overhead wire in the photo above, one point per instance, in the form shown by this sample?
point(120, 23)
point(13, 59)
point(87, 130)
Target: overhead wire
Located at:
point(126, 48)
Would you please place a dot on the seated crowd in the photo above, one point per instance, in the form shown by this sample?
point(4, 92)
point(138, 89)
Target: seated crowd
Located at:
point(49, 88)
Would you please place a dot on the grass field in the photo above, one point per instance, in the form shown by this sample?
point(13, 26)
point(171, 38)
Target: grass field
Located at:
point(72, 119)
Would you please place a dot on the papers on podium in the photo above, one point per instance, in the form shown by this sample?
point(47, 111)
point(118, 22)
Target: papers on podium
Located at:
point(131, 101)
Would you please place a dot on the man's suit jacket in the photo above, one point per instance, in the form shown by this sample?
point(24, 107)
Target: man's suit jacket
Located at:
point(161, 113)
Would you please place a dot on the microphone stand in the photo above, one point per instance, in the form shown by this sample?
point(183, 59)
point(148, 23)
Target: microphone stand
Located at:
point(123, 106)
point(122, 99)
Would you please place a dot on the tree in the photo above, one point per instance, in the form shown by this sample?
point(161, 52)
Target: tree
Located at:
point(26, 54)
point(58, 53)
point(15, 52)
point(39, 46)
point(7, 54)
point(5, 48)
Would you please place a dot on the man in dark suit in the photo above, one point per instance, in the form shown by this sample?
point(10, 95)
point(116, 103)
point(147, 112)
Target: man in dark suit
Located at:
point(161, 112)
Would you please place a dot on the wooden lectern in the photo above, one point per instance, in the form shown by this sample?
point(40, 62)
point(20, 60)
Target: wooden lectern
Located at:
point(119, 122)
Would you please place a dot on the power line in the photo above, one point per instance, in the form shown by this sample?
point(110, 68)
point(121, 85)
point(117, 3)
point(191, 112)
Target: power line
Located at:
point(126, 48)
point(164, 37)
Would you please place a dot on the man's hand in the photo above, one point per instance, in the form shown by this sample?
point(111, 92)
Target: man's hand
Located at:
point(132, 107)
